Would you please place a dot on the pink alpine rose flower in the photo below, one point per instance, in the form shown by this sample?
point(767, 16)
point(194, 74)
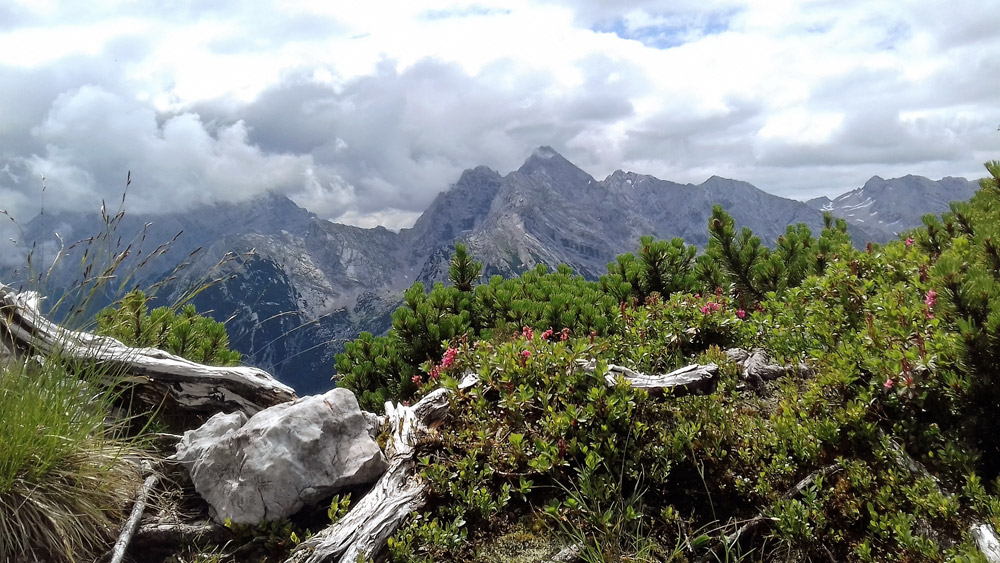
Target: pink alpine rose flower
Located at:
point(448, 360)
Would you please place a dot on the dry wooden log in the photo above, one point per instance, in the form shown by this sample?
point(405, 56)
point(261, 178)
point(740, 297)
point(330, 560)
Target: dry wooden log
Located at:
point(757, 368)
point(693, 377)
point(153, 374)
point(364, 531)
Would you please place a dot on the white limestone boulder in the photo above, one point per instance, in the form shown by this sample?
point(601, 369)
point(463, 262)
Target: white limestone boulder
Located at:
point(281, 459)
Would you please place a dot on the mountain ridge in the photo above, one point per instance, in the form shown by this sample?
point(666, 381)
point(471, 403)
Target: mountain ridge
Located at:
point(312, 284)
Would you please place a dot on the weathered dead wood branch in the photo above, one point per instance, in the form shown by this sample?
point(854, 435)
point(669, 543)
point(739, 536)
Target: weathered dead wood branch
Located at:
point(693, 377)
point(153, 374)
point(758, 366)
point(987, 542)
point(364, 531)
point(121, 546)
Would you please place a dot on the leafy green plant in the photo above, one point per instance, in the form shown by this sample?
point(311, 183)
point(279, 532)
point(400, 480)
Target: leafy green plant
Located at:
point(339, 506)
point(662, 267)
point(379, 368)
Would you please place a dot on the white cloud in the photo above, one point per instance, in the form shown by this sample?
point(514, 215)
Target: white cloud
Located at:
point(93, 138)
point(363, 112)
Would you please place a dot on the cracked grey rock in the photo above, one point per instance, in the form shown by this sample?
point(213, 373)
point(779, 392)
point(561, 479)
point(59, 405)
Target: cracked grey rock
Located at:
point(281, 459)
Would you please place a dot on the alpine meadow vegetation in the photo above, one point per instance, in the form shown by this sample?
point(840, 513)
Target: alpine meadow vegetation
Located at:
point(883, 449)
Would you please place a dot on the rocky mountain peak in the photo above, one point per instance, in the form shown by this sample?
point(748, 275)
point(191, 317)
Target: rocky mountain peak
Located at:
point(621, 181)
point(887, 207)
point(547, 162)
point(821, 203)
point(874, 182)
point(476, 177)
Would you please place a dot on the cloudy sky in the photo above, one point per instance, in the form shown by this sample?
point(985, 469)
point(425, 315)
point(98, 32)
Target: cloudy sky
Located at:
point(363, 111)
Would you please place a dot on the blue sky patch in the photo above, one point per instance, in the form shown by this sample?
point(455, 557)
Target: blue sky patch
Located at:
point(666, 31)
point(465, 12)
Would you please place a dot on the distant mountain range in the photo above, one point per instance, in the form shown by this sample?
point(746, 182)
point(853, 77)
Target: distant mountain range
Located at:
point(886, 207)
point(311, 284)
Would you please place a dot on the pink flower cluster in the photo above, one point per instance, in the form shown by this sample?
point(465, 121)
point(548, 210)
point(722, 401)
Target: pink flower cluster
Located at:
point(447, 362)
point(525, 354)
point(906, 379)
point(527, 333)
point(547, 334)
point(929, 301)
point(741, 313)
point(710, 308)
point(448, 359)
point(909, 242)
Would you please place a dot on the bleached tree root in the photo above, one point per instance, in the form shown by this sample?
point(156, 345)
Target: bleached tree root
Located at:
point(365, 530)
point(758, 367)
point(154, 375)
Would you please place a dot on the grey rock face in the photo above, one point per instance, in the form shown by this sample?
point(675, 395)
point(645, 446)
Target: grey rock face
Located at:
point(282, 458)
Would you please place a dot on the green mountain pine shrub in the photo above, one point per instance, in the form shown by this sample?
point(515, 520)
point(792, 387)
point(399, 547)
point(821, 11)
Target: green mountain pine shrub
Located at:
point(185, 333)
point(379, 368)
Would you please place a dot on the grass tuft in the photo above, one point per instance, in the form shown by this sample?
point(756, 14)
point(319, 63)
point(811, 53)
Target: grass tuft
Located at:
point(66, 476)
